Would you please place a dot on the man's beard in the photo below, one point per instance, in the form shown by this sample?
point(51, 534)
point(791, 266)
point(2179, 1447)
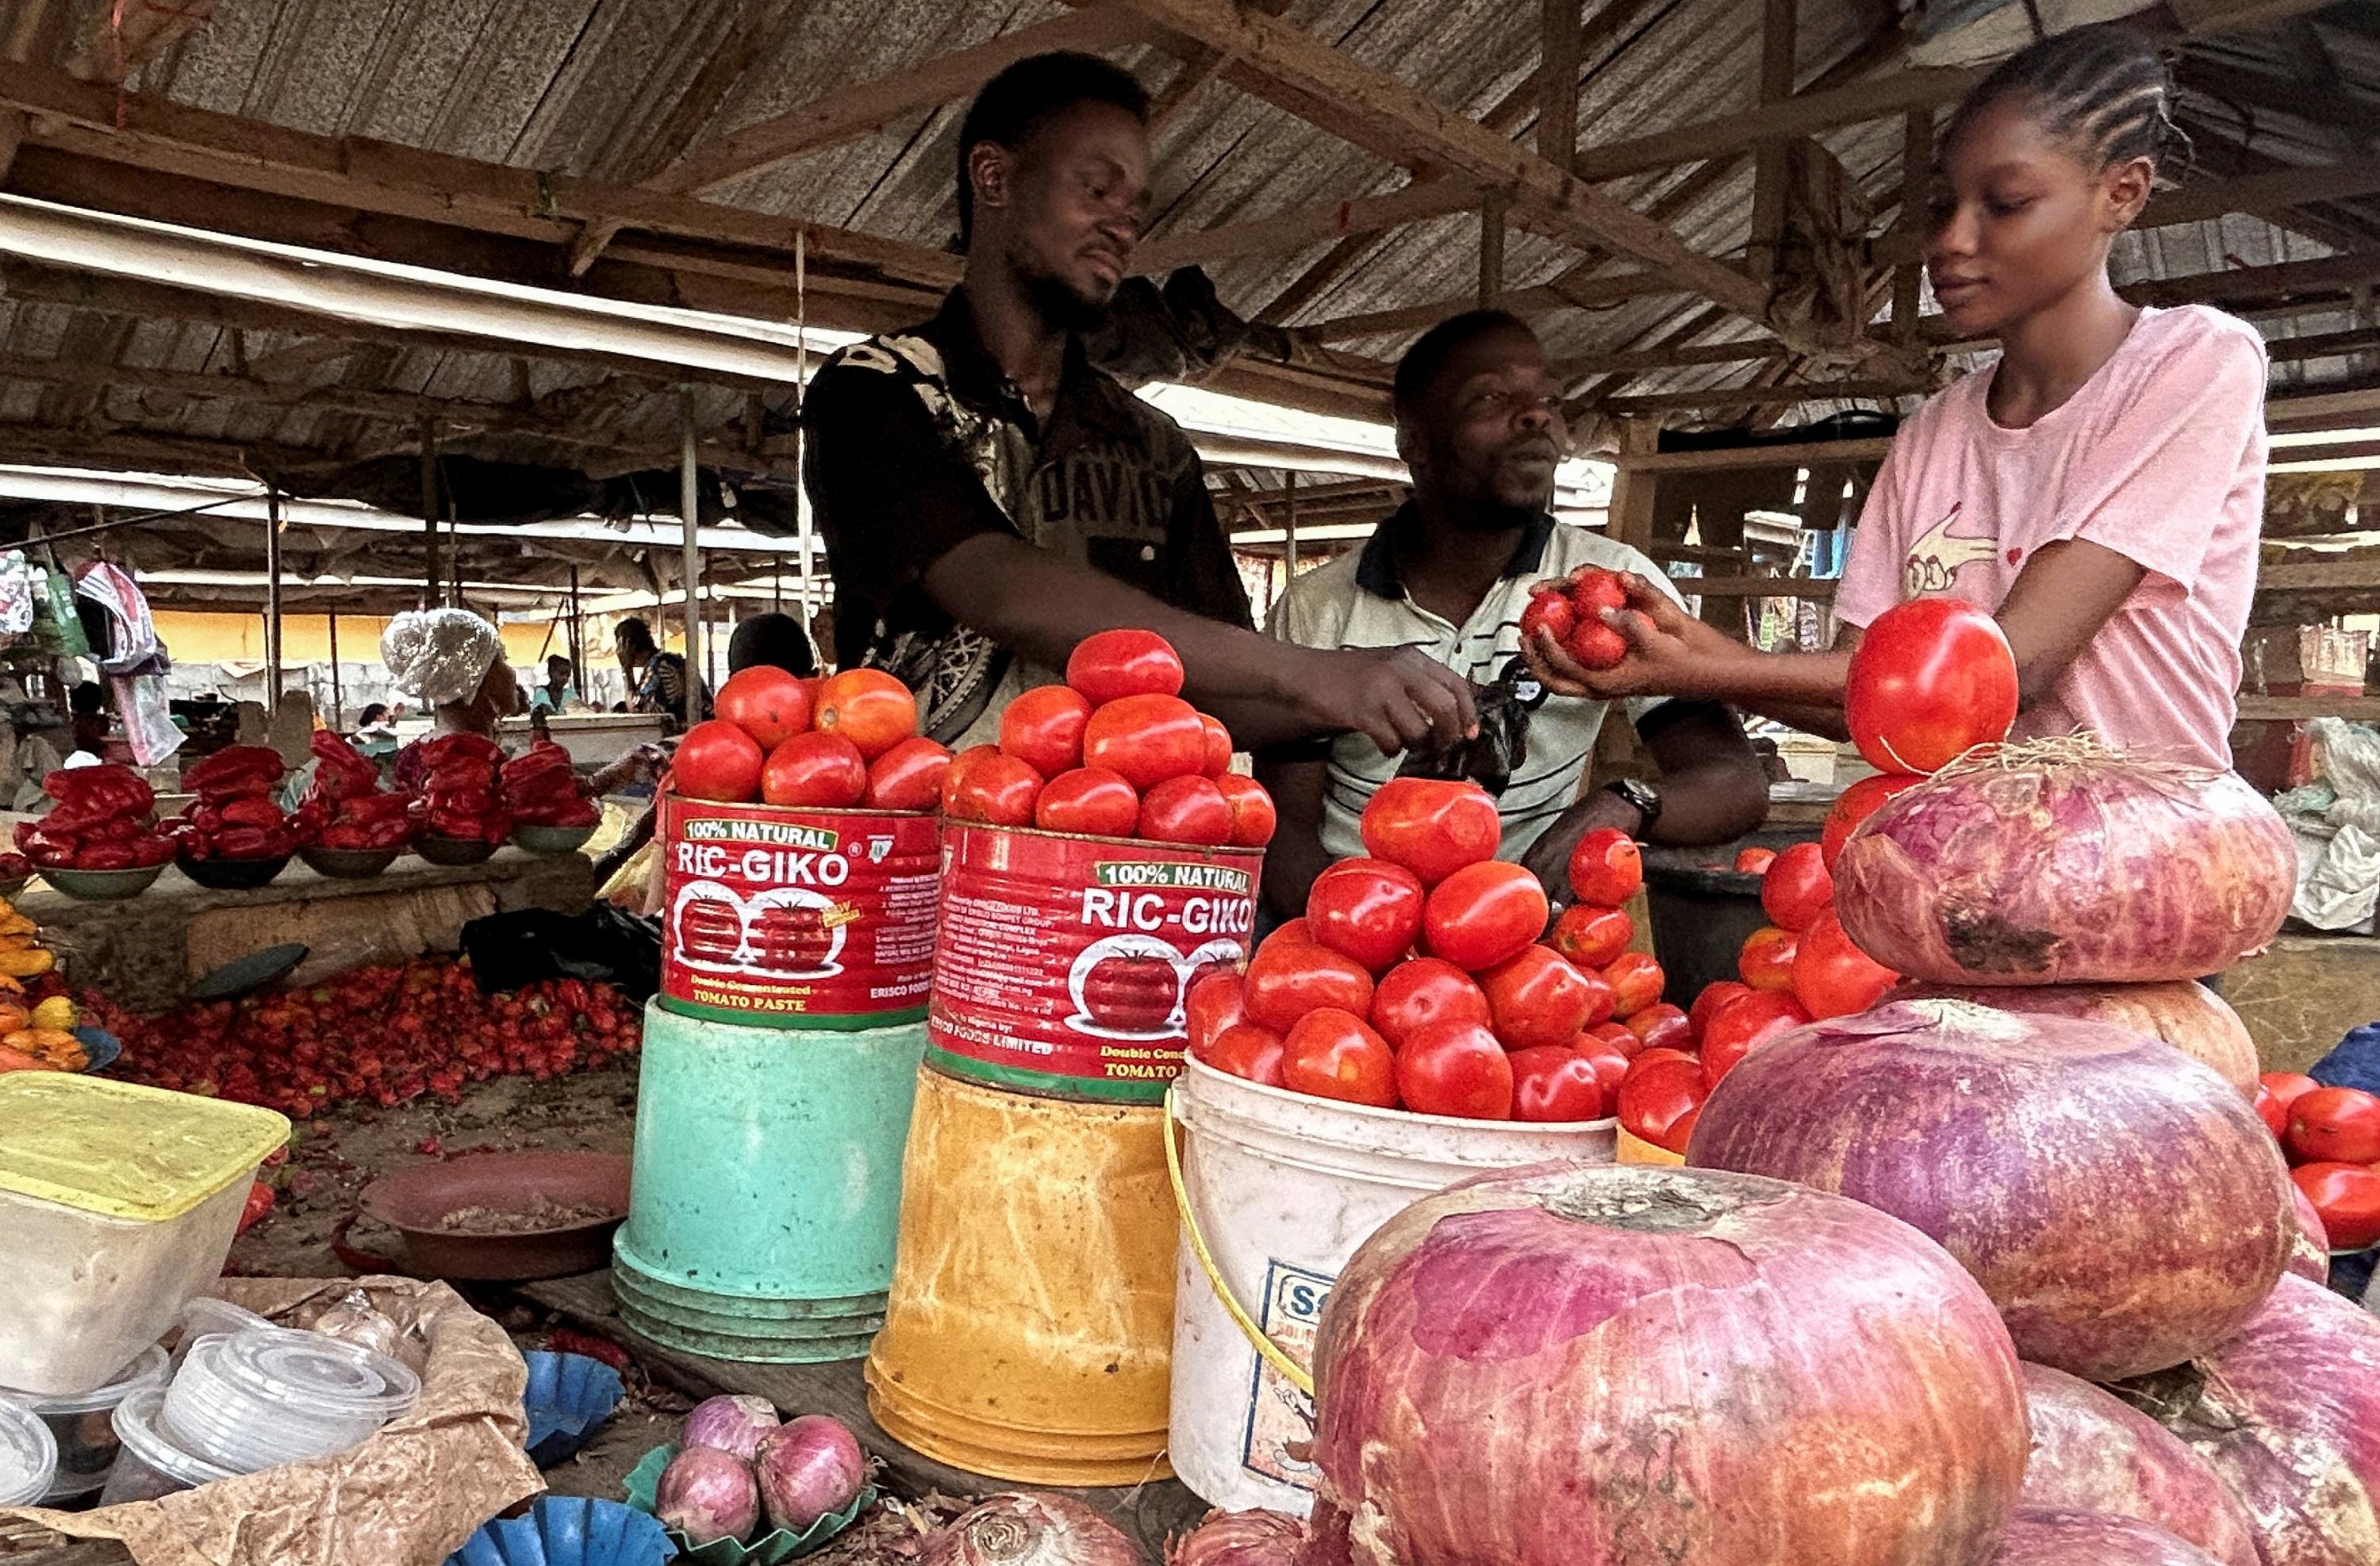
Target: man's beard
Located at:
point(1059, 305)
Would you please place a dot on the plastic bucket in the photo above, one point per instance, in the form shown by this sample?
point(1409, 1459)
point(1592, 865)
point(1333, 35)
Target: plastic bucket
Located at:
point(1283, 1188)
point(1702, 908)
point(782, 917)
point(1032, 1309)
point(1062, 961)
point(766, 1187)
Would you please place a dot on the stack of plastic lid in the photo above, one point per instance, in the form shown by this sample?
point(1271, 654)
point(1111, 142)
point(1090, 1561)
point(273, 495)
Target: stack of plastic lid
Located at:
point(82, 1425)
point(254, 1400)
point(205, 1315)
point(28, 1455)
point(150, 1464)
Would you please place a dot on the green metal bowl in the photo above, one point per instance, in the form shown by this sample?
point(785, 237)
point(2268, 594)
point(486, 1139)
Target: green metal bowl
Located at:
point(552, 840)
point(232, 875)
point(349, 864)
point(454, 851)
point(104, 886)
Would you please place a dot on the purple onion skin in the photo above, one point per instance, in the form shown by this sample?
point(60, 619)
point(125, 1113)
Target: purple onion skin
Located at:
point(2287, 1412)
point(2093, 1453)
point(1240, 1538)
point(1030, 1530)
point(2309, 1255)
point(731, 1423)
point(2184, 1012)
point(1579, 1364)
point(2091, 872)
point(708, 1494)
point(2121, 1204)
point(810, 1467)
point(2092, 1538)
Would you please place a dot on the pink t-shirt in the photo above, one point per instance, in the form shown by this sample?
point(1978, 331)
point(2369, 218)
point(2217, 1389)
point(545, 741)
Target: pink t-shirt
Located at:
point(2159, 457)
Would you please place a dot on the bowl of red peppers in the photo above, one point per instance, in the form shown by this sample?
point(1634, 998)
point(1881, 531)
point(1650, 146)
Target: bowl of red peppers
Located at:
point(349, 826)
point(235, 837)
point(463, 814)
point(97, 842)
point(550, 809)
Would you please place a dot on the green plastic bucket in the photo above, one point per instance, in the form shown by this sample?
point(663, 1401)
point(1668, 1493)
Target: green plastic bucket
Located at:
point(767, 1187)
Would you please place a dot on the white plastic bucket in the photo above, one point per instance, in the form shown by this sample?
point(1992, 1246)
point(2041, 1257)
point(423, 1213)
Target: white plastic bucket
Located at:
point(1282, 1188)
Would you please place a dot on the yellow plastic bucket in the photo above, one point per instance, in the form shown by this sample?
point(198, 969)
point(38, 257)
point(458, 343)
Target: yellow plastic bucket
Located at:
point(1029, 1331)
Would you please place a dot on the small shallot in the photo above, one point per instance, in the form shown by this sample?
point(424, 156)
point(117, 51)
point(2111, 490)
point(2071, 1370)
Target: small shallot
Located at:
point(811, 1467)
point(1030, 1530)
point(707, 1494)
point(731, 1423)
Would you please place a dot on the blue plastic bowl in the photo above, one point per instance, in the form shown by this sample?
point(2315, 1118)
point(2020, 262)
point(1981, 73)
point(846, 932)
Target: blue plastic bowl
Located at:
point(569, 1531)
point(568, 1398)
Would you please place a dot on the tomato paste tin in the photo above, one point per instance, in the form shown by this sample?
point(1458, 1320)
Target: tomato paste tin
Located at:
point(776, 917)
point(1061, 962)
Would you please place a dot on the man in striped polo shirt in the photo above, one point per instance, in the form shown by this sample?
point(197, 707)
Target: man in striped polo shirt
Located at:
point(1479, 425)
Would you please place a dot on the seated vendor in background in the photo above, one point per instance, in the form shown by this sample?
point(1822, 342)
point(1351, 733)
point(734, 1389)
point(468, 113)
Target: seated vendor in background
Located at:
point(455, 661)
point(1479, 425)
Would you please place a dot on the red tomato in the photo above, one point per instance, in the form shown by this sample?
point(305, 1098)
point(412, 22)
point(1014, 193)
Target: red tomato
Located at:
point(1114, 664)
point(2348, 1197)
point(1287, 979)
point(1832, 978)
point(1456, 1068)
point(1333, 1054)
point(1292, 932)
point(718, 761)
point(1754, 861)
point(2334, 1126)
point(2271, 1111)
point(1252, 812)
point(1219, 745)
point(1368, 909)
point(1741, 1027)
point(1540, 999)
point(1246, 1050)
point(868, 707)
point(909, 776)
point(962, 764)
point(1212, 1003)
point(994, 788)
point(1549, 611)
point(1426, 989)
point(1147, 739)
point(1188, 810)
point(1637, 982)
point(1594, 590)
point(1714, 999)
point(2276, 1091)
point(1663, 1026)
point(1616, 1034)
point(1605, 868)
point(769, 703)
point(1857, 804)
point(1797, 889)
point(1593, 937)
point(1483, 913)
point(1659, 1094)
point(1594, 645)
point(1555, 1084)
point(820, 769)
point(1088, 800)
point(1432, 827)
point(1043, 728)
point(1931, 679)
point(1610, 1064)
point(1767, 960)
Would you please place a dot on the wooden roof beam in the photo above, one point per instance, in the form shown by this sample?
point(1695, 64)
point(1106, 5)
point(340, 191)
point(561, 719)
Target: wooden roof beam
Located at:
point(1765, 397)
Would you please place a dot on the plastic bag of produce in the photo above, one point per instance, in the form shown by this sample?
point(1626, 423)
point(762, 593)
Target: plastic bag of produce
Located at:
point(2336, 820)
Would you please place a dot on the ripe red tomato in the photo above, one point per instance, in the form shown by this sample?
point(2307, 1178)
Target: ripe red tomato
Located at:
point(1663, 1026)
point(1554, 1084)
point(1932, 678)
point(1606, 867)
point(1246, 1050)
point(1252, 811)
point(1432, 827)
point(1616, 1034)
point(1594, 645)
point(1797, 889)
point(1292, 932)
point(1714, 999)
point(2334, 1126)
point(1593, 937)
point(993, 788)
point(1219, 745)
point(1368, 909)
point(1549, 612)
point(1832, 978)
point(1043, 728)
point(1767, 960)
point(1423, 990)
point(769, 703)
point(1594, 590)
point(961, 764)
point(1610, 1064)
point(1538, 1000)
point(1754, 861)
point(908, 776)
point(1089, 800)
point(1456, 1068)
point(718, 761)
point(1287, 979)
point(1147, 739)
point(1333, 1054)
point(2276, 1091)
point(819, 769)
point(1738, 1030)
point(1857, 804)
point(1114, 664)
point(1637, 982)
point(2348, 1197)
point(1483, 913)
point(1212, 1003)
point(867, 707)
point(1190, 811)
point(1658, 1098)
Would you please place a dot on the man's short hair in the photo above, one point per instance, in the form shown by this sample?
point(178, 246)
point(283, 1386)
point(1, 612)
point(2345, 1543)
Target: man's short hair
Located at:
point(1426, 361)
point(772, 639)
point(1014, 103)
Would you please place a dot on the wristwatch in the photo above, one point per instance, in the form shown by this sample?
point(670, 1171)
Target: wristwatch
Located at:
point(1643, 795)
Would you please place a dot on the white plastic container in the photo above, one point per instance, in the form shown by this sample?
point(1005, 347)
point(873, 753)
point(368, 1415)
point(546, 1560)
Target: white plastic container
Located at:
point(28, 1456)
point(206, 1315)
point(149, 1465)
point(117, 1203)
point(83, 1425)
point(255, 1400)
point(1283, 1187)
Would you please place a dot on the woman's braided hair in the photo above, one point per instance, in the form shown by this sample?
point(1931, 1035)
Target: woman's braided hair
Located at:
point(2105, 89)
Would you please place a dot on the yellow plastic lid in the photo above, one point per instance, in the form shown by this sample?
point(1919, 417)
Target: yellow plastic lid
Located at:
point(110, 1147)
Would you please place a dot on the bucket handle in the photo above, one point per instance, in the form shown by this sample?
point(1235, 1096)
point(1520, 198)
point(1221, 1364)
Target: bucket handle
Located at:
point(1271, 1353)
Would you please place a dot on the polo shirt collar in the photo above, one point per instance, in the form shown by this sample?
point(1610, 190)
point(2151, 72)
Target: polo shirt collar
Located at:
point(1375, 571)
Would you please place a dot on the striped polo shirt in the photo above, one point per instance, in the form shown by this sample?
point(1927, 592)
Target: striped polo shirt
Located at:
point(1356, 601)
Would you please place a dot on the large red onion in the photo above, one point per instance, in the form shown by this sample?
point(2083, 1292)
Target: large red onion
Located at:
point(1578, 1364)
point(811, 1467)
point(1030, 1530)
point(2092, 1538)
point(1240, 1538)
point(2183, 1013)
point(2289, 1413)
point(2123, 1205)
point(2091, 1452)
point(731, 1423)
point(2062, 863)
point(2310, 1254)
point(708, 1494)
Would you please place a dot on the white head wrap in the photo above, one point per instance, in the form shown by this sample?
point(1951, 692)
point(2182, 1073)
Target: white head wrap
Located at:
point(441, 655)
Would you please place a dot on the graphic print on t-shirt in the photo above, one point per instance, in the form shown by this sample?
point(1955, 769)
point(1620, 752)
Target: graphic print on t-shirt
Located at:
point(1934, 559)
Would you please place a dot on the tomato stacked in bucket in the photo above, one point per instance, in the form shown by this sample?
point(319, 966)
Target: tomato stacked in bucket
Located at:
point(849, 740)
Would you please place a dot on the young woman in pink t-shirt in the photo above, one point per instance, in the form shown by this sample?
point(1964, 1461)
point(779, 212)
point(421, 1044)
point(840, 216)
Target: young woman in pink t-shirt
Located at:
point(2099, 490)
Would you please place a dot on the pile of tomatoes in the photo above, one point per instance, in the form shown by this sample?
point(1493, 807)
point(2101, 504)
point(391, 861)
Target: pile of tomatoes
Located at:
point(843, 741)
point(1571, 612)
point(1418, 980)
point(1802, 954)
point(2331, 1138)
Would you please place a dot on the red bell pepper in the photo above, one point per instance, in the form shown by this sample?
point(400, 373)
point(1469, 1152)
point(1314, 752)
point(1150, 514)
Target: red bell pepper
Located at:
point(233, 768)
point(104, 857)
point(107, 787)
point(252, 812)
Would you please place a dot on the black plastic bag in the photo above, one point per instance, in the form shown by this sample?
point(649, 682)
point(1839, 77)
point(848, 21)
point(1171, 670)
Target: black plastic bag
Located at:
point(605, 944)
point(1491, 757)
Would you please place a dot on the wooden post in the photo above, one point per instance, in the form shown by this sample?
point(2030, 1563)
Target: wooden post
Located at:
point(1491, 249)
point(338, 698)
point(689, 513)
point(1289, 527)
point(271, 598)
point(1558, 84)
point(1631, 520)
point(1774, 159)
point(429, 576)
point(1916, 189)
point(577, 642)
